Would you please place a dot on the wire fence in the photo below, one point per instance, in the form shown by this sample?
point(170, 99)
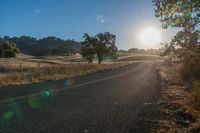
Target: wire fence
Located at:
point(11, 70)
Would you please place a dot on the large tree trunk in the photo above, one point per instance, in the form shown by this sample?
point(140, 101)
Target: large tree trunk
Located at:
point(99, 62)
point(100, 58)
point(90, 61)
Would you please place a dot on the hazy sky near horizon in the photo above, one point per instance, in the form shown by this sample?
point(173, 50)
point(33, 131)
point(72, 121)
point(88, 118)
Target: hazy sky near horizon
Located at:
point(70, 19)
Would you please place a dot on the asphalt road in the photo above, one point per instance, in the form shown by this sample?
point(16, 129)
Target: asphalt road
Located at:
point(108, 102)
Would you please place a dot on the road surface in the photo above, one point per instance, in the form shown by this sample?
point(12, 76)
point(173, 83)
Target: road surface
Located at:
point(108, 102)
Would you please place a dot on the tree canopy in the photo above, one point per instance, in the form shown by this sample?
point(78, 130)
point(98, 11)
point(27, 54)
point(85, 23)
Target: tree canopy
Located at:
point(185, 15)
point(102, 45)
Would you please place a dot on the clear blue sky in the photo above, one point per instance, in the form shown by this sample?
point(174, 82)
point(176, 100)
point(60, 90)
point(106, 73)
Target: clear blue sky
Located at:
point(70, 19)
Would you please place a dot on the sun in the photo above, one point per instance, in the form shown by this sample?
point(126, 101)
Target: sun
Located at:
point(150, 37)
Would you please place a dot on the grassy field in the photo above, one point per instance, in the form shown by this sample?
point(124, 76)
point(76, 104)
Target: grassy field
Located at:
point(27, 69)
point(134, 57)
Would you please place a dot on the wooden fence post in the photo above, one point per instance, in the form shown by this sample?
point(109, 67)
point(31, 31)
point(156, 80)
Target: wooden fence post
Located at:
point(39, 68)
point(20, 69)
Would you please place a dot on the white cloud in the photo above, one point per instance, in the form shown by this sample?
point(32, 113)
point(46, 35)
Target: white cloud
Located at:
point(101, 19)
point(38, 11)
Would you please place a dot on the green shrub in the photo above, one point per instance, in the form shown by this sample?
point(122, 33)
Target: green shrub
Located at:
point(8, 50)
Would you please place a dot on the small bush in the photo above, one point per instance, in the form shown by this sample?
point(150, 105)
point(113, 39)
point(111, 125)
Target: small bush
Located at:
point(190, 69)
point(8, 50)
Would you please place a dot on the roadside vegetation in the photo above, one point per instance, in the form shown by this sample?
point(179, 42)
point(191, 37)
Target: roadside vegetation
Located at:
point(185, 45)
point(182, 68)
point(16, 71)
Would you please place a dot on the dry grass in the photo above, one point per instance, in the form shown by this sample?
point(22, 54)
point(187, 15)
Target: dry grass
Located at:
point(196, 88)
point(134, 57)
point(24, 71)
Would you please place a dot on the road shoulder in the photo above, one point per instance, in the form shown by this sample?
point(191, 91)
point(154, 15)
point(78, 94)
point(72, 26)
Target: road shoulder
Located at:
point(175, 109)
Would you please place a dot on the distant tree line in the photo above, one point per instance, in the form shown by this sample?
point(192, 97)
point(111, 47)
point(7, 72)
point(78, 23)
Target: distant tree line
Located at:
point(45, 46)
point(142, 51)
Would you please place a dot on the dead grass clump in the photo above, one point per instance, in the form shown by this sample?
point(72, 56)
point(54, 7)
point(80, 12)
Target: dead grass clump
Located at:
point(196, 88)
point(178, 101)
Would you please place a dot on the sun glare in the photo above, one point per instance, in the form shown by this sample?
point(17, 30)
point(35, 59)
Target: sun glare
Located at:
point(150, 37)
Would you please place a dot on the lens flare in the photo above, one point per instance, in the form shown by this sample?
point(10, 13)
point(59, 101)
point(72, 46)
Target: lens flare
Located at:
point(34, 102)
point(150, 37)
point(8, 115)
